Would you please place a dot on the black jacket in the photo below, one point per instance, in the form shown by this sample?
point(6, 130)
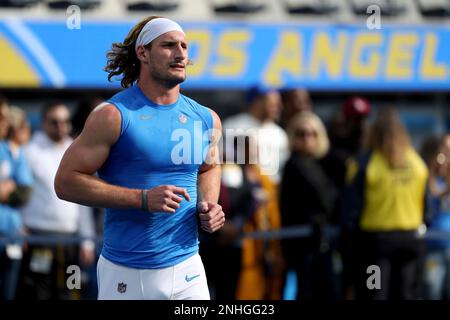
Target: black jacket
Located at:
point(307, 197)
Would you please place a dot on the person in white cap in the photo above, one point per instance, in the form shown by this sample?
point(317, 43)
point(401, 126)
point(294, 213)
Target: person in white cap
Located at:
point(156, 155)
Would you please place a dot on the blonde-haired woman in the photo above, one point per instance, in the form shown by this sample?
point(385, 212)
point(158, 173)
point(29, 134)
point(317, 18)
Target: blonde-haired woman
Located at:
point(307, 198)
point(388, 193)
point(19, 128)
point(300, 129)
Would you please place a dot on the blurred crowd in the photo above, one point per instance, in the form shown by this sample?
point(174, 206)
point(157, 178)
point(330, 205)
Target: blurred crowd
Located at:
point(30, 207)
point(358, 199)
point(360, 213)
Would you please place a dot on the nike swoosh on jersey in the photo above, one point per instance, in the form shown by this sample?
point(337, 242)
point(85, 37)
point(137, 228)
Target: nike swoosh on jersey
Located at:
point(189, 279)
point(145, 117)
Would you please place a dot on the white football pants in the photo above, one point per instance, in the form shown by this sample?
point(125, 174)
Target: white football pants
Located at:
point(184, 281)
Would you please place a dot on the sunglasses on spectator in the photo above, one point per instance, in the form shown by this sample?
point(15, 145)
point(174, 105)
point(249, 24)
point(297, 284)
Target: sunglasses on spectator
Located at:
point(55, 122)
point(303, 133)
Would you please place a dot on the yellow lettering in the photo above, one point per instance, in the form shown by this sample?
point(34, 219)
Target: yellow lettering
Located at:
point(234, 58)
point(400, 55)
point(287, 58)
point(201, 39)
point(430, 68)
point(367, 69)
point(329, 55)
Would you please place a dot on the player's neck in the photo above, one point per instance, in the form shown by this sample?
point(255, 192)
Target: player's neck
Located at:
point(158, 93)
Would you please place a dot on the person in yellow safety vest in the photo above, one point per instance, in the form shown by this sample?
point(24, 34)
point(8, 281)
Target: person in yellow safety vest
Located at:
point(385, 205)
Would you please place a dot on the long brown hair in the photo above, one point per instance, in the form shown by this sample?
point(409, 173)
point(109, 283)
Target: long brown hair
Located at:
point(122, 58)
point(389, 137)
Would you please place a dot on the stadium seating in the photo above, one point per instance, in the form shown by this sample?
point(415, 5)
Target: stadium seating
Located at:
point(152, 5)
point(434, 8)
point(341, 11)
point(311, 6)
point(17, 3)
point(236, 6)
point(388, 7)
point(83, 4)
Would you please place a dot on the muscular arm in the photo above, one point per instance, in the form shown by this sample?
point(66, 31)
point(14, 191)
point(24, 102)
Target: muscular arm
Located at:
point(209, 174)
point(211, 215)
point(75, 180)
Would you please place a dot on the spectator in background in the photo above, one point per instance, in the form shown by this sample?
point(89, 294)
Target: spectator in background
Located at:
point(15, 187)
point(436, 153)
point(259, 122)
point(348, 132)
point(348, 127)
point(294, 101)
point(46, 215)
point(307, 198)
point(386, 207)
point(4, 108)
point(254, 203)
point(19, 128)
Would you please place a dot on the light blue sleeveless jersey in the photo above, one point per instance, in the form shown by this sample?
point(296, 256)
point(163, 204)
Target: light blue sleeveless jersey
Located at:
point(158, 145)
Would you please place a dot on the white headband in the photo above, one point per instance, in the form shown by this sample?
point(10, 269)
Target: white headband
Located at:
point(154, 28)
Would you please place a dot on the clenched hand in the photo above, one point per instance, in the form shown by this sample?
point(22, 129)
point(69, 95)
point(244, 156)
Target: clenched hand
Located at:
point(165, 198)
point(212, 218)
